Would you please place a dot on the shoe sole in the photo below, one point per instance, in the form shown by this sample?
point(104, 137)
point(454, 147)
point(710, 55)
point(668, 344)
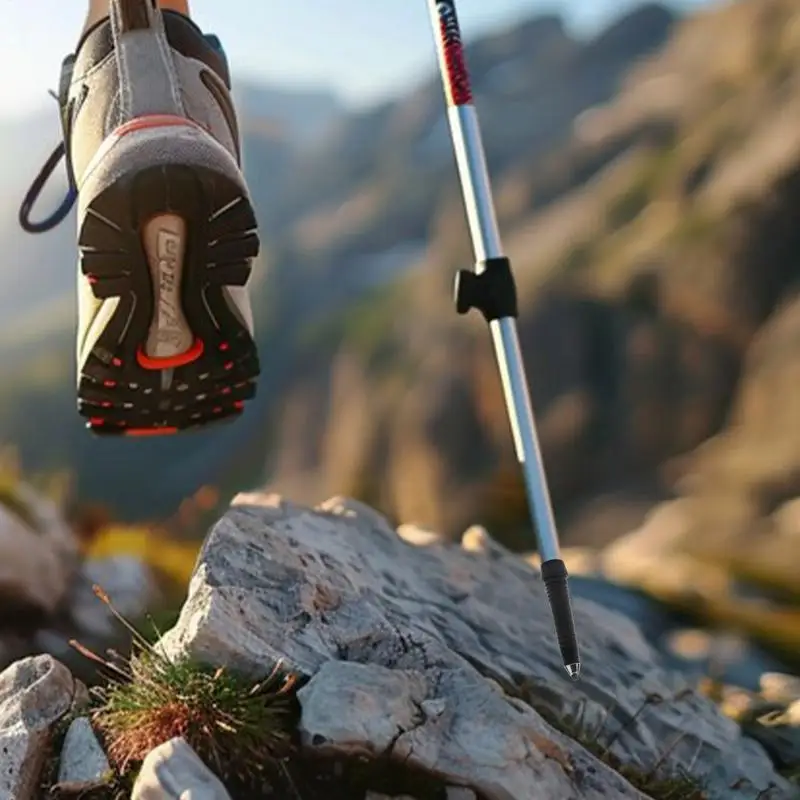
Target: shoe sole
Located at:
point(165, 242)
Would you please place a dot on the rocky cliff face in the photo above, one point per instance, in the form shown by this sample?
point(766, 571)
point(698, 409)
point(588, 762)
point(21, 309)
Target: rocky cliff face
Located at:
point(657, 263)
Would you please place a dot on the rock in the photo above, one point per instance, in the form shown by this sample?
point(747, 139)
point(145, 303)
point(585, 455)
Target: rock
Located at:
point(174, 771)
point(38, 554)
point(651, 558)
point(447, 654)
point(598, 520)
point(780, 688)
point(126, 580)
point(34, 694)
point(787, 520)
point(742, 705)
point(651, 617)
point(83, 765)
point(132, 588)
point(671, 558)
point(741, 485)
point(419, 537)
point(476, 539)
point(694, 652)
point(502, 749)
point(779, 733)
point(378, 704)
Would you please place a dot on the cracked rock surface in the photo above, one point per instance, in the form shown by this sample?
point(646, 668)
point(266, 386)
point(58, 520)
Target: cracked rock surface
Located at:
point(444, 657)
point(452, 723)
point(34, 694)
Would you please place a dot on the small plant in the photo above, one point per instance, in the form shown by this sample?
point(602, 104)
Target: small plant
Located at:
point(656, 781)
point(241, 729)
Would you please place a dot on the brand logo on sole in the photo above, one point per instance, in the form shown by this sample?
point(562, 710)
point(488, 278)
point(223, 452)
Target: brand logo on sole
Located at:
point(165, 239)
point(169, 330)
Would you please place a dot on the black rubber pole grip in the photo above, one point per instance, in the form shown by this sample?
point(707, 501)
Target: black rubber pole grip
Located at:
point(554, 574)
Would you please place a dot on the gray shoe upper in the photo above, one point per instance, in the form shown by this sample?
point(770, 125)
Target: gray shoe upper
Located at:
point(143, 62)
point(126, 68)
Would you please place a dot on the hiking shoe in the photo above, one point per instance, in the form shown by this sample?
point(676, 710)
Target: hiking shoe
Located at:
point(166, 230)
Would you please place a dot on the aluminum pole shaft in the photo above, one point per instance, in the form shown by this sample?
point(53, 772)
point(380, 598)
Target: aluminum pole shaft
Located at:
point(487, 247)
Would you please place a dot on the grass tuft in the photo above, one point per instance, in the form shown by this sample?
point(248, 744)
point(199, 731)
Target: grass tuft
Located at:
point(232, 728)
point(241, 729)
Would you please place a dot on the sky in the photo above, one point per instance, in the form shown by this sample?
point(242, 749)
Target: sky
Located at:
point(365, 50)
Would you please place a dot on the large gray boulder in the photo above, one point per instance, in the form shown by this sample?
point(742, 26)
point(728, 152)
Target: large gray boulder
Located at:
point(445, 656)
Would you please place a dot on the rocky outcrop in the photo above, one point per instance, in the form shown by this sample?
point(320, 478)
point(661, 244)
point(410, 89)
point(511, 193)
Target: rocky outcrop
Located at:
point(443, 656)
point(748, 478)
point(434, 663)
point(771, 717)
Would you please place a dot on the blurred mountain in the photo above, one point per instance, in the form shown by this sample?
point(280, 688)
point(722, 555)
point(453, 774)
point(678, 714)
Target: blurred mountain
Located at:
point(300, 115)
point(658, 261)
point(350, 203)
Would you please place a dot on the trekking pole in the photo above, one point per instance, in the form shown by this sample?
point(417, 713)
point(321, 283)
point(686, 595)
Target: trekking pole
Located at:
point(491, 289)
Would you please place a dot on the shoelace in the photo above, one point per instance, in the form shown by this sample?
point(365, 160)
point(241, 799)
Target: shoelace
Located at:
point(35, 190)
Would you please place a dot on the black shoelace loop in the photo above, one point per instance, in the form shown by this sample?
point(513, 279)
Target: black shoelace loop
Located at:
point(35, 190)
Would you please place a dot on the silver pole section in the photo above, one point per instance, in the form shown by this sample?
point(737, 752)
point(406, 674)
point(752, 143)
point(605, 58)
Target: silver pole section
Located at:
point(491, 289)
point(479, 204)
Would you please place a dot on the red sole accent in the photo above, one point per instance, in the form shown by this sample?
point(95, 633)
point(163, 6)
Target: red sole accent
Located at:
point(171, 362)
point(142, 432)
point(148, 121)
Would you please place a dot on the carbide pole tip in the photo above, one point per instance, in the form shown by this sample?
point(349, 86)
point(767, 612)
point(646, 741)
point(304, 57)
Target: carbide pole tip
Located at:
point(574, 671)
